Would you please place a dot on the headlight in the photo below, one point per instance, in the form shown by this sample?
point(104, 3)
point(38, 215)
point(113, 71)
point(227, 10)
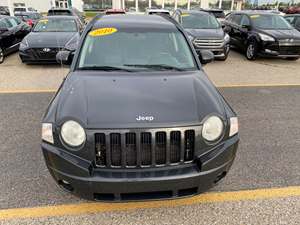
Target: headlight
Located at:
point(226, 38)
point(212, 128)
point(190, 37)
point(72, 133)
point(266, 37)
point(234, 126)
point(47, 133)
point(24, 44)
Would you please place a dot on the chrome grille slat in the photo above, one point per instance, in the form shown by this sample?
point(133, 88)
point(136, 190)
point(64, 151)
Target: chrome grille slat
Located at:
point(144, 148)
point(208, 43)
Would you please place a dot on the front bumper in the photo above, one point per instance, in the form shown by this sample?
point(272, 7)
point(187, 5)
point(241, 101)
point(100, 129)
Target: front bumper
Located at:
point(218, 47)
point(82, 178)
point(280, 50)
point(38, 55)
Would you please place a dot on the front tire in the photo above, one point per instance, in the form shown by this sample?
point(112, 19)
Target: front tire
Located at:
point(1, 55)
point(252, 49)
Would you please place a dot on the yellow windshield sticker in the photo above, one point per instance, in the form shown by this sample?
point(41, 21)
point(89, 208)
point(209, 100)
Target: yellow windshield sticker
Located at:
point(254, 16)
point(43, 21)
point(184, 14)
point(103, 31)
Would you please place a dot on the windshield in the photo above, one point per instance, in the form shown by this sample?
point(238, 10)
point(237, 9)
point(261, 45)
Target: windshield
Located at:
point(270, 22)
point(136, 50)
point(56, 25)
point(199, 21)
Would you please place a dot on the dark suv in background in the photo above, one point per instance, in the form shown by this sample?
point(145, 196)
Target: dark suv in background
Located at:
point(12, 31)
point(204, 31)
point(262, 34)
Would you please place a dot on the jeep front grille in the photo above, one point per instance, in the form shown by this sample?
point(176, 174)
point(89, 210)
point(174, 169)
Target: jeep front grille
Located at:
point(208, 43)
point(127, 149)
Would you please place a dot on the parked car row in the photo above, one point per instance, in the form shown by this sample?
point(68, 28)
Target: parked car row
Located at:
point(257, 33)
point(39, 39)
point(29, 17)
point(204, 31)
point(12, 32)
point(49, 35)
point(262, 34)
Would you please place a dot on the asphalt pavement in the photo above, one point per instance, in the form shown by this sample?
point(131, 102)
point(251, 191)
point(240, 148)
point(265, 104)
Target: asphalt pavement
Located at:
point(268, 155)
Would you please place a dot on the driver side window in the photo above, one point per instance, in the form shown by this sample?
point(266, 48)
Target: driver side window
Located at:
point(297, 23)
point(245, 21)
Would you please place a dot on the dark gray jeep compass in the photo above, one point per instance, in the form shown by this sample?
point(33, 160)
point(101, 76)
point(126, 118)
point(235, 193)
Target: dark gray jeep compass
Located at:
point(136, 117)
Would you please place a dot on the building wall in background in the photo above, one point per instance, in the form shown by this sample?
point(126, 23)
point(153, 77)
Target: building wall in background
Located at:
point(41, 5)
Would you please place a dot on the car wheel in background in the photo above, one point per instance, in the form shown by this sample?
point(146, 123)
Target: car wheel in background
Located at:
point(1, 56)
point(251, 52)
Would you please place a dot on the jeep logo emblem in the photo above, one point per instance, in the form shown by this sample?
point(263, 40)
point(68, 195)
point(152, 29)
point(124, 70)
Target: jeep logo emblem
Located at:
point(144, 118)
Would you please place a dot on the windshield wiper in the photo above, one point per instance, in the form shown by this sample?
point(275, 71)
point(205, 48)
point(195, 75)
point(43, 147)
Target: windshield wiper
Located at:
point(156, 66)
point(104, 68)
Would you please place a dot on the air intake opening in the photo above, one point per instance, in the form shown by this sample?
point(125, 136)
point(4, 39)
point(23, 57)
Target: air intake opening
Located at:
point(130, 149)
point(115, 146)
point(146, 144)
point(175, 141)
point(104, 197)
point(161, 148)
point(146, 195)
point(100, 148)
point(187, 192)
point(189, 145)
point(220, 177)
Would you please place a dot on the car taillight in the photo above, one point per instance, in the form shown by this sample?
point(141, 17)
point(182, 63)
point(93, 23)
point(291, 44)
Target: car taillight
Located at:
point(30, 22)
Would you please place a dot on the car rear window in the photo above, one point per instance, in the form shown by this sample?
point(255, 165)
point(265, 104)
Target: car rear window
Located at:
point(59, 13)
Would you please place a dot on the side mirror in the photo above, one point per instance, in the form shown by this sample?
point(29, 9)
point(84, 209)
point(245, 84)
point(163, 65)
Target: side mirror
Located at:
point(64, 57)
point(206, 56)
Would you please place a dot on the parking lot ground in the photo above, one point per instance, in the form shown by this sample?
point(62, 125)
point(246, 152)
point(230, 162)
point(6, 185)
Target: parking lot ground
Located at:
point(235, 71)
point(268, 156)
point(265, 174)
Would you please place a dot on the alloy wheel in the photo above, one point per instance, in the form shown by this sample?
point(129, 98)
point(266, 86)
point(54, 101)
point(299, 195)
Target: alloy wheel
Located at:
point(250, 51)
point(1, 56)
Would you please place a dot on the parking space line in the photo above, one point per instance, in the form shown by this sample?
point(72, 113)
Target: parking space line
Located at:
point(32, 91)
point(89, 208)
point(257, 85)
point(27, 91)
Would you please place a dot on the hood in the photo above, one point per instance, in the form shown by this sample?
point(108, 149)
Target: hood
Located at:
point(206, 33)
point(49, 39)
point(119, 100)
point(282, 34)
